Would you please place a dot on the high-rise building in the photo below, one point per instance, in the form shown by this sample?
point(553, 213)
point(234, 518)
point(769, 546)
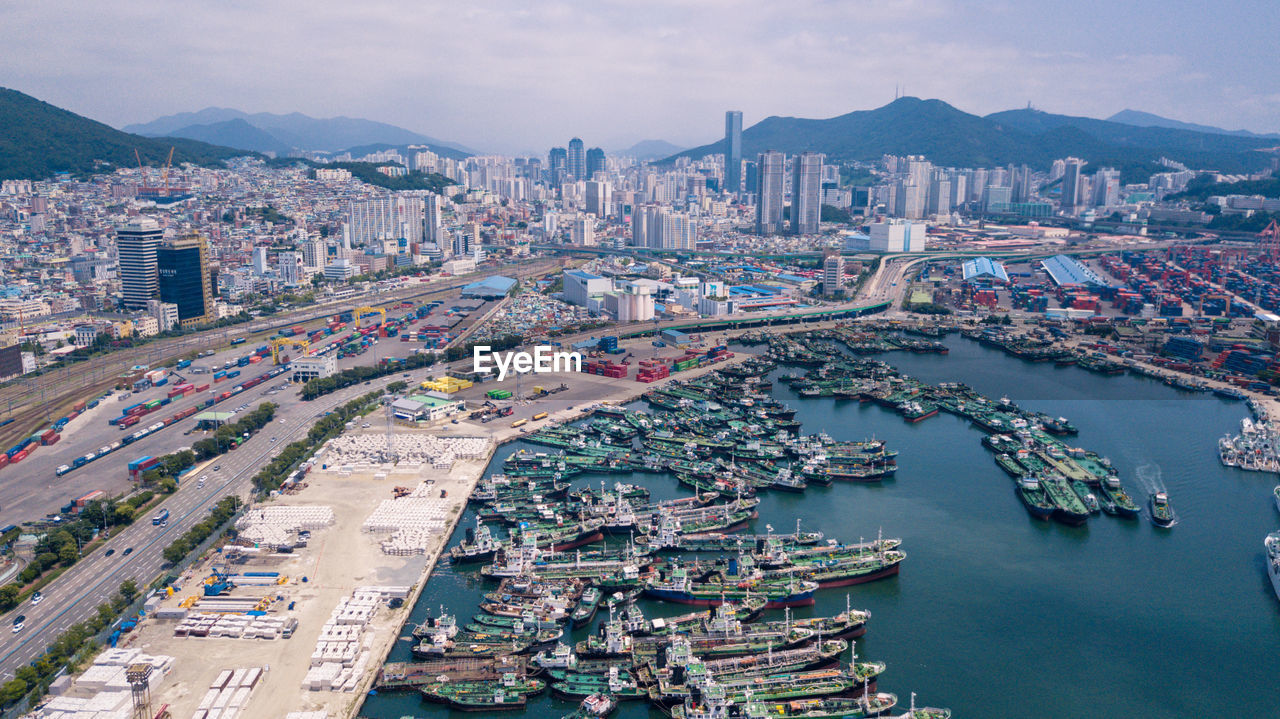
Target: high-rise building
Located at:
point(595, 163)
point(1071, 176)
point(183, 274)
point(678, 231)
point(260, 260)
point(289, 267)
point(390, 217)
point(576, 162)
point(769, 170)
point(733, 151)
point(1106, 187)
point(314, 253)
point(432, 219)
point(832, 275)
point(909, 199)
point(806, 193)
point(640, 226)
point(136, 245)
point(582, 231)
point(1022, 184)
point(599, 198)
point(557, 164)
point(939, 200)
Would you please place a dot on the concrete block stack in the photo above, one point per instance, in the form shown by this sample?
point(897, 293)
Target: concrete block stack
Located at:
point(414, 520)
point(342, 650)
point(278, 526)
point(109, 693)
point(228, 694)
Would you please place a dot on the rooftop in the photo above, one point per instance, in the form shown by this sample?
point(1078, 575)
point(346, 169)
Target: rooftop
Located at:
point(984, 267)
point(1066, 270)
point(581, 275)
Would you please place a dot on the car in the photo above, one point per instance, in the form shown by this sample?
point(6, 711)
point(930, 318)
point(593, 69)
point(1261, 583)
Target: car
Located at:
point(217, 467)
point(200, 483)
point(455, 421)
point(18, 623)
point(109, 552)
point(366, 384)
point(36, 598)
point(273, 439)
point(570, 407)
point(127, 552)
point(282, 421)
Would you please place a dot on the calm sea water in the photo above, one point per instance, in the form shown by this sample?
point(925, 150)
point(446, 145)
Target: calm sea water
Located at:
point(998, 615)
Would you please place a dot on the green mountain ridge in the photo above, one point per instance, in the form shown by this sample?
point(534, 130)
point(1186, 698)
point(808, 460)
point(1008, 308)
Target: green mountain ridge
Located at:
point(40, 140)
point(951, 137)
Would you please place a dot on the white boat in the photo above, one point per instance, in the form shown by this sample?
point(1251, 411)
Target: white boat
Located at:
point(1272, 543)
point(1276, 493)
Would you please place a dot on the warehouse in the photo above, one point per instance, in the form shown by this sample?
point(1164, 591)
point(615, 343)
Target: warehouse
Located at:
point(984, 268)
point(489, 288)
point(309, 368)
point(420, 407)
point(1066, 270)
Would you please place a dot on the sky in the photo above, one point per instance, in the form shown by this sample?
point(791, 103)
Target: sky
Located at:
point(516, 77)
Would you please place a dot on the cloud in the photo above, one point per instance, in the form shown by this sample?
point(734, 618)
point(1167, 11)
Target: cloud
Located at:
point(516, 76)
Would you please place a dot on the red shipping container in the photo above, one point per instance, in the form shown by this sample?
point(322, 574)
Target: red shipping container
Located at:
point(18, 457)
point(202, 388)
point(4, 459)
point(46, 441)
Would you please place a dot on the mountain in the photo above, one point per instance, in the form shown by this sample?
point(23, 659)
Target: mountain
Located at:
point(1146, 119)
point(40, 139)
point(649, 150)
point(300, 132)
point(232, 133)
point(951, 137)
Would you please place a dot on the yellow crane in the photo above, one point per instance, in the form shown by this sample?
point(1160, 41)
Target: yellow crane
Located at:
point(355, 316)
point(279, 342)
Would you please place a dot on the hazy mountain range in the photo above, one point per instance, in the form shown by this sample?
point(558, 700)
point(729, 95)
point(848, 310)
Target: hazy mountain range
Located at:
point(268, 132)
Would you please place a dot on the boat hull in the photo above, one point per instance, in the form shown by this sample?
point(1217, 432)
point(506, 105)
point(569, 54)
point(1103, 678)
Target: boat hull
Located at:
point(801, 599)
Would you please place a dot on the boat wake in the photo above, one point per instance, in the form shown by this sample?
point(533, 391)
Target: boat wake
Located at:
point(1151, 478)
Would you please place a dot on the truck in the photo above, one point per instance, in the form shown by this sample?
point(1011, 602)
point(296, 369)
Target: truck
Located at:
point(520, 422)
point(161, 517)
point(540, 415)
point(237, 341)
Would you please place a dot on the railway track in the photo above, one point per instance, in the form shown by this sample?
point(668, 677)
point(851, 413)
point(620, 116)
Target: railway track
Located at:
point(37, 402)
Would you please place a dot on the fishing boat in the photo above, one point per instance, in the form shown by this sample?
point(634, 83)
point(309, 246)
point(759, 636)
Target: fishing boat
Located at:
point(593, 706)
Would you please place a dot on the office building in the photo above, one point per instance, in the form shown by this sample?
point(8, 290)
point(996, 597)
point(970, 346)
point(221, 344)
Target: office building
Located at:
point(997, 199)
point(1071, 185)
point(595, 163)
point(733, 151)
point(806, 193)
point(832, 275)
point(136, 245)
point(557, 163)
point(184, 281)
point(341, 270)
point(576, 161)
point(769, 169)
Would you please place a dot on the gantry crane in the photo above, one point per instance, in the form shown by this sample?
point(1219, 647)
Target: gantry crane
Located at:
point(279, 342)
point(355, 316)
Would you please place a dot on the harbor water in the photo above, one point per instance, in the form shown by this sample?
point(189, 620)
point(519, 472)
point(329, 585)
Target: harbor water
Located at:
point(996, 614)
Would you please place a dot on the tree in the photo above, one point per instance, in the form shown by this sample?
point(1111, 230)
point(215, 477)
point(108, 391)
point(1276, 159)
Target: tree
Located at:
point(128, 590)
point(12, 691)
point(9, 596)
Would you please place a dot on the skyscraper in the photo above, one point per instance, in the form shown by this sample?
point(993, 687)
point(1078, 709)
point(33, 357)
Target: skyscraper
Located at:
point(640, 226)
point(769, 170)
point(577, 159)
point(806, 193)
point(733, 151)
point(557, 162)
point(595, 163)
point(432, 222)
point(1071, 176)
point(183, 273)
point(136, 245)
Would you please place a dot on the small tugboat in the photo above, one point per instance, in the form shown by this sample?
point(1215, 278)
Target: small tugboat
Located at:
point(1161, 511)
point(596, 705)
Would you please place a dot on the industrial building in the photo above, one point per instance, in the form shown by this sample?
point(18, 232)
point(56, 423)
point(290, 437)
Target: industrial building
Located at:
point(489, 288)
point(984, 268)
point(1067, 270)
point(309, 368)
point(427, 408)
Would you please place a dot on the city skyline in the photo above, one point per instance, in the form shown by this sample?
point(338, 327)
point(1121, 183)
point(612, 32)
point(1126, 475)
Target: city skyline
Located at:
point(615, 75)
